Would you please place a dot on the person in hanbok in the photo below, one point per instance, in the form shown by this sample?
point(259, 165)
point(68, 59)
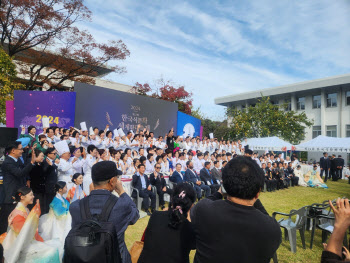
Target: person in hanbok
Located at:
point(76, 192)
point(298, 173)
point(57, 223)
point(313, 179)
point(22, 243)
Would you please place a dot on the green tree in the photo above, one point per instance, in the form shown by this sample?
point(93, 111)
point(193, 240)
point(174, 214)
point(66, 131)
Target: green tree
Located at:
point(7, 82)
point(266, 119)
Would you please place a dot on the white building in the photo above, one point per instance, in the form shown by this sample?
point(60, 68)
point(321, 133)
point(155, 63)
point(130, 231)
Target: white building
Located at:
point(326, 101)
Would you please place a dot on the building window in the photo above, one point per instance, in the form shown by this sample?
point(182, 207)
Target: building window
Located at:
point(316, 131)
point(347, 130)
point(316, 102)
point(332, 100)
point(348, 98)
point(301, 103)
point(332, 131)
point(243, 107)
point(275, 102)
point(288, 103)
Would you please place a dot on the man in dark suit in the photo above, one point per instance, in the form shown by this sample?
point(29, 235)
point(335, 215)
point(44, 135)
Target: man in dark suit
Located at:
point(50, 175)
point(141, 182)
point(333, 171)
point(325, 166)
point(340, 165)
point(15, 175)
point(157, 179)
point(216, 172)
point(208, 179)
point(191, 176)
point(177, 177)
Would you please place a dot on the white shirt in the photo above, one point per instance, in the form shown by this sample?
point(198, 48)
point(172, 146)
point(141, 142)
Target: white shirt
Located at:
point(89, 162)
point(77, 165)
point(149, 167)
point(65, 171)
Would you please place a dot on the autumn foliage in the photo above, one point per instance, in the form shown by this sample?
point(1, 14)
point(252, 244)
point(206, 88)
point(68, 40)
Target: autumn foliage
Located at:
point(7, 82)
point(43, 37)
point(167, 92)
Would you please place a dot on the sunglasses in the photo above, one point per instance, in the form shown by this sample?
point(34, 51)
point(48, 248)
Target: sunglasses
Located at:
point(157, 167)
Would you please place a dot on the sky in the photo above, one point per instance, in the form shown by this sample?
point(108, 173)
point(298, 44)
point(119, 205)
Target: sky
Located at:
point(219, 48)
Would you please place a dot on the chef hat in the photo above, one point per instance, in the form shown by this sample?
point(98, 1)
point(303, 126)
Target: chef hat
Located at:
point(83, 126)
point(133, 134)
point(61, 147)
point(91, 131)
point(46, 122)
point(211, 135)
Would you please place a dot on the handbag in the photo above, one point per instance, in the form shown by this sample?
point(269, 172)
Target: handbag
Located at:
point(136, 249)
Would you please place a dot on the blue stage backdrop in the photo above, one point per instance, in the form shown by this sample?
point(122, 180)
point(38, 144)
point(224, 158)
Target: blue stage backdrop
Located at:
point(188, 125)
point(99, 106)
point(31, 106)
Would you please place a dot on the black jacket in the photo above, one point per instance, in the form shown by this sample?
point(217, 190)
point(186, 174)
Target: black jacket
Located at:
point(325, 163)
point(37, 179)
point(223, 230)
point(205, 176)
point(136, 183)
point(50, 174)
point(165, 244)
point(15, 176)
point(158, 182)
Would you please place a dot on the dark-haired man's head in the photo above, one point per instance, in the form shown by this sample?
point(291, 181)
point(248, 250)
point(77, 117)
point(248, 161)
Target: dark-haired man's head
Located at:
point(142, 168)
point(207, 165)
point(14, 149)
point(243, 178)
point(178, 167)
point(189, 164)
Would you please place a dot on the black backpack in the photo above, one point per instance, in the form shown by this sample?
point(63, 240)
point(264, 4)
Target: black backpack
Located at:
point(94, 239)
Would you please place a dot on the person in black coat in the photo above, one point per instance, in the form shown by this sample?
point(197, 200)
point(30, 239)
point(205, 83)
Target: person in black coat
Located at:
point(15, 175)
point(49, 167)
point(157, 179)
point(293, 178)
point(277, 176)
point(37, 179)
point(169, 236)
point(141, 182)
point(325, 166)
point(340, 165)
point(333, 171)
point(170, 139)
point(271, 183)
point(208, 179)
point(221, 225)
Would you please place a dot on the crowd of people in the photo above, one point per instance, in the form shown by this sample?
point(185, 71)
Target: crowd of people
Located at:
point(47, 177)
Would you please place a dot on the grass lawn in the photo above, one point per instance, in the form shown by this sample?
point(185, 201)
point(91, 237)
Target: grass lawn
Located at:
point(282, 201)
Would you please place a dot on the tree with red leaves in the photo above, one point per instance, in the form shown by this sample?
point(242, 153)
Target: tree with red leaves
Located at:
point(167, 92)
point(43, 38)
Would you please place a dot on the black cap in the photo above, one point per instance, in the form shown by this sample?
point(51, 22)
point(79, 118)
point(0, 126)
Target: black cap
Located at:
point(103, 171)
